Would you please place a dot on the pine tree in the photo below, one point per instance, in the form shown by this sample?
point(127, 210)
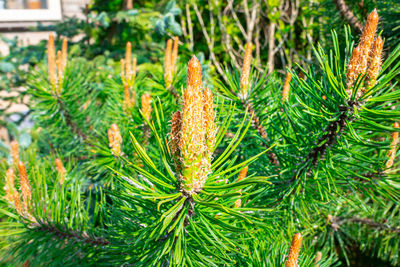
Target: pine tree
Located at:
point(139, 165)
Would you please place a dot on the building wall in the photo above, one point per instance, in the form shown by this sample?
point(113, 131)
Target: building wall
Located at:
point(73, 8)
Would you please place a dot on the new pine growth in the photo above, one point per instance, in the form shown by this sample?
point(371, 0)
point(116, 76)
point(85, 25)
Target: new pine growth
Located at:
point(14, 149)
point(245, 75)
point(286, 87)
point(128, 75)
point(365, 58)
point(57, 62)
point(25, 187)
point(61, 170)
point(393, 146)
point(146, 106)
point(374, 62)
point(114, 139)
point(171, 57)
point(197, 134)
point(294, 250)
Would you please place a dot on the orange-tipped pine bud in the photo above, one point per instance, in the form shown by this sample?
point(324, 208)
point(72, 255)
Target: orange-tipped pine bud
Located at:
point(374, 65)
point(286, 87)
point(352, 70)
point(192, 138)
point(146, 106)
point(174, 55)
point(194, 79)
point(61, 170)
point(244, 77)
point(294, 251)
point(127, 99)
point(10, 177)
point(242, 175)
point(58, 63)
point(59, 71)
point(51, 60)
point(128, 61)
point(110, 135)
point(64, 54)
point(9, 194)
point(117, 134)
point(393, 146)
point(318, 257)
point(123, 70)
point(17, 203)
point(176, 126)
point(14, 147)
point(25, 187)
point(168, 64)
point(209, 123)
point(9, 186)
point(367, 39)
point(115, 139)
point(238, 202)
point(86, 105)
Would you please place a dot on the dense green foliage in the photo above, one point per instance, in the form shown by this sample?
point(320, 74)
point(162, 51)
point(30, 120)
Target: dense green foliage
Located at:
point(308, 156)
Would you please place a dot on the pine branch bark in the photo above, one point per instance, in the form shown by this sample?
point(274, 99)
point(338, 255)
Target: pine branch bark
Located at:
point(67, 234)
point(337, 221)
point(68, 119)
point(261, 131)
point(334, 129)
point(348, 15)
point(174, 93)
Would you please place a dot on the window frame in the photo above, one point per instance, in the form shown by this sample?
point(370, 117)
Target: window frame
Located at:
point(52, 13)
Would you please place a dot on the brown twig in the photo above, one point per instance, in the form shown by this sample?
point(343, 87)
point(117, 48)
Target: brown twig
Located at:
point(190, 27)
point(337, 221)
point(80, 236)
point(334, 129)
point(210, 42)
point(174, 93)
point(348, 15)
point(226, 38)
point(68, 119)
point(261, 131)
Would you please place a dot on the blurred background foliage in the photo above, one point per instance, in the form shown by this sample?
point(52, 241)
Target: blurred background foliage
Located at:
point(283, 31)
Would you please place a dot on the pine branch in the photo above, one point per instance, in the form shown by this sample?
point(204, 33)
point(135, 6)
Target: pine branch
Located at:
point(261, 131)
point(333, 130)
point(337, 221)
point(174, 93)
point(370, 175)
point(68, 119)
point(67, 234)
point(189, 200)
point(348, 15)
